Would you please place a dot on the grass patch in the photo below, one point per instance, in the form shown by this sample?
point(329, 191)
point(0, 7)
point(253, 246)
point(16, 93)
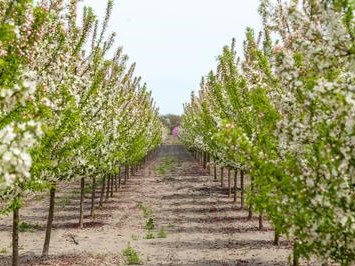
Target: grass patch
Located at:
point(150, 225)
point(147, 212)
point(131, 256)
point(165, 165)
point(162, 233)
point(135, 237)
point(149, 235)
point(27, 227)
point(3, 251)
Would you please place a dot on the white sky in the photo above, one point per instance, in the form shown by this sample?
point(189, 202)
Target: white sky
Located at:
point(176, 42)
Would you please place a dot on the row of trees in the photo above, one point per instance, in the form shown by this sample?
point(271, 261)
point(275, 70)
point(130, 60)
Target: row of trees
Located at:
point(171, 121)
point(67, 110)
point(285, 116)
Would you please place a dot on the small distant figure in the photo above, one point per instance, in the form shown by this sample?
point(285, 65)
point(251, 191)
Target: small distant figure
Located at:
point(176, 131)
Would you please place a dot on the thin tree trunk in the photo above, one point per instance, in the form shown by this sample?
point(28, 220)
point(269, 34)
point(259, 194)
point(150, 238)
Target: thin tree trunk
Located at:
point(209, 166)
point(108, 188)
point(222, 177)
point(49, 220)
point(116, 184)
point(235, 185)
point(92, 212)
point(250, 210)
point(102, 192)
point(112, 176)
point(250, 216)
point(242, 188)
point(125, 175)
point(82, 194)
point(229, 183)
point(261, 225)
point(295, 256)
point(120, 176)
point(204, 160)
point(215, 171)
point(15, 248)
point(276, 238)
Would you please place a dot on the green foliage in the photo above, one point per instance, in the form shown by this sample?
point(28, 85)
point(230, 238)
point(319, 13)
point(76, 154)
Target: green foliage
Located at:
point(284, 115)
point(3, 251)
point(147, 212)
point(170, 121)
point(28, 227)
point(150, 224)
point(131, 256)
point(88, 188)
point(165, 165)
point(162, 233)
point(135, 237)
point(149, 235)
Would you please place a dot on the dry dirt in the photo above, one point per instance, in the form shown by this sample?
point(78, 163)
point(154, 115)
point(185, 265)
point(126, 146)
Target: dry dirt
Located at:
point(202, 225)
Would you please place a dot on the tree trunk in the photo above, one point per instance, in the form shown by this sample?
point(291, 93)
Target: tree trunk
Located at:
point(82, 194)
point(222, 176)
point(261, 225)
point(119, 177)
point(49, 220)
point(235, 185)
point(92, 212)
point(204, 160)
point(229, 183)
point(276, 238)
point(242, 188)
point(295, 255)
point(116, 184)
point(215, 171)
point(250, 216)
point(112, 176)
point(102, 192)
point(15, 248)
point(125, 175)
point(209, 166)
point(108, 188)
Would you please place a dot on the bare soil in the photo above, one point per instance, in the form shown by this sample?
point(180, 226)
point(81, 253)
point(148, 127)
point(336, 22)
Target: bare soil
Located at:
point(202, 225)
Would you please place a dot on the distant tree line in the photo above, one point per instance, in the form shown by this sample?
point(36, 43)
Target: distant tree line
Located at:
point(170, 121)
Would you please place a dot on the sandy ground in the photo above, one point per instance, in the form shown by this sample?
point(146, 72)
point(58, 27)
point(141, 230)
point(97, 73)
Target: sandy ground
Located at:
point(202, 225)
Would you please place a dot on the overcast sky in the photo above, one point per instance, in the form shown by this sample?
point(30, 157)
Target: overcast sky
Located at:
point(176, 42)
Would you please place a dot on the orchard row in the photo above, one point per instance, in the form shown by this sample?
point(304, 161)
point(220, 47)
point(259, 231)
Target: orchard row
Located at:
point(67, 109)
point(284, 115)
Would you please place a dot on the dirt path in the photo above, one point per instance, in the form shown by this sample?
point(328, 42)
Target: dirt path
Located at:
point(201, 224)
